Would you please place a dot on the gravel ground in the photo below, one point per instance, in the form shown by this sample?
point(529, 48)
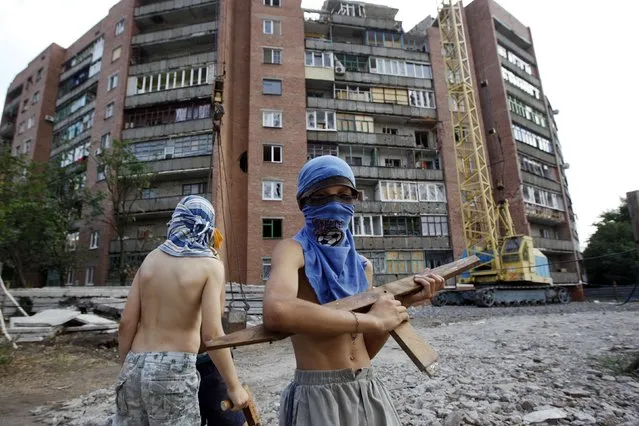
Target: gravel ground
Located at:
point(555, 364)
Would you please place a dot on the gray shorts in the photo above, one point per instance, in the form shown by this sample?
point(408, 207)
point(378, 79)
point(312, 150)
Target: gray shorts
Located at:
point(157, 388)
point(339, 397)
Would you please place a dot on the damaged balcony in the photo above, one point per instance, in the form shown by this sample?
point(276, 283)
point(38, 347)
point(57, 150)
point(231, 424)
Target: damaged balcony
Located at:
point(180, 168)
point(540, 181)
point(554, 246)
point(177, 119)
point(8, 129)
point(361, 138)
point(172, 43)
point(384, 80)
point(544, 215)
point(402, 243)
point(371, 108)
point(172, 13)
point(564, 277)
point(366, 50)
point(401, 207)
point(159, 206)
point(173, 64)
point(173, 95)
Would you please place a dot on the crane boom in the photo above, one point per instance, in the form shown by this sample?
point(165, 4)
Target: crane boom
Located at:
point(479, 214)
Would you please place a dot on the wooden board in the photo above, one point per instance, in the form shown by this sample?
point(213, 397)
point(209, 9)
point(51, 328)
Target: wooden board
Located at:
point(51, 317)
point(420, 352)
point(358, 302)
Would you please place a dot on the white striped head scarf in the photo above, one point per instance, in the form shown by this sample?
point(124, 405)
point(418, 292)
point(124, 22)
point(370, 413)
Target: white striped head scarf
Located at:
point(190, 229)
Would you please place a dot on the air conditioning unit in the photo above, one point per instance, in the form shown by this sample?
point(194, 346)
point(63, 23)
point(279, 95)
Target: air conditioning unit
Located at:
point(339, 69)
point(168, 152)
point(49, 118)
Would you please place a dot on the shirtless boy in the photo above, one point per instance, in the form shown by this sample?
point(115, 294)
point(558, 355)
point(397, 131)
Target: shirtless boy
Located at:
point(334, 383)
point(175, 302)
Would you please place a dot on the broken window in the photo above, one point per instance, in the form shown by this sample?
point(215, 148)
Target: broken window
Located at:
point(271, 190)
point(273, 153)
point(320, 120)
point(272, 119)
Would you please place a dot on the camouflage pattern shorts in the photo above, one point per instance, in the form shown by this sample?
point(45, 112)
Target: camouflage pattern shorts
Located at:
point(158, 388)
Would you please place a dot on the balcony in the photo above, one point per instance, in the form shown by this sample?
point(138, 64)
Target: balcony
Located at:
point(519, 72)
point(158, 207)
point(174, 129)
point(181, 168)
point(525, 123)
point(8, 129)
point(160, 45)
point(173, 64)
point(524, 96)
point(356, 21)
point(77, 91)
point(540, 181)
point(393, 173)
point(136, 245)
point(554, 246)
point(73, 116)
point(366, 50)
point(535, 152)
point(401, 243)
point(361, 138)
point(400, 207)
point(385, 80)
point(166, 96)
point(175, 12)
point(12, 105)
point(77, 67)
point(515, 48)
point(371, 108)
point(564, 277)
point(544, 215)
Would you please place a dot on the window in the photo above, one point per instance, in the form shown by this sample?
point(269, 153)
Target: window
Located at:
point(526, 111)
point(401, 226)
point(101, 175)
point(119, 27)
point(149, 193)
point(112, 82)
point(271, 190)
point(273, 153)
point(271, 228)
point(71, 277)
point(389, 95)
point(318, 59)
point(355, 123)
point(36, 98)
point(404, 262)
point(535, 167)
point(17, 150)
point(271, 86)
point(400, 68)
point(366, 226)
point(320, 120)
point(315, 150)
point(392, 162)
point(194, 188)
point(272, 119)
point(266, 268)
point(108, 111)
point(519, 82)
point(432, 192)
point(532, 139)
point(167, 80)
point(514, 59)
point(90, 272)
point(353, 93)
point(39, 74)
point(383, 39)
point(272, 56)
point(352, 9)
point(425, 139)
point(541, 197)
point(21, 127)
point(434, 226)
point(95, 240)
point(390, 130)
point(272, 3)
point(117, 52)
point(31, 122)
point(398, 191)
point(105, 141)
point(27, 146)
point(422, 98)
point(271, 26)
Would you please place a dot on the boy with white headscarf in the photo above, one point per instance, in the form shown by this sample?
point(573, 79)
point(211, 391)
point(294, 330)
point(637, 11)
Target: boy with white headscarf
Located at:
point(175, 302)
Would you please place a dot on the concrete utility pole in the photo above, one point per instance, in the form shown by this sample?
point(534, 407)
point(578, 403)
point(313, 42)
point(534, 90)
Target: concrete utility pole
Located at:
point(633, 206)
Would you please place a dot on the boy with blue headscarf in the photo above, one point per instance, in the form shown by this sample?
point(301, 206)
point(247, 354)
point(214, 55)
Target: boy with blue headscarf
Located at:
point(334, 383)
point(175, 302)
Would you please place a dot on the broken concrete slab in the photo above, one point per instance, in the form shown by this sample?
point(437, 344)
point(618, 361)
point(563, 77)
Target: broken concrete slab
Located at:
point(50, 317)
point(93, 319)
point(545, 415)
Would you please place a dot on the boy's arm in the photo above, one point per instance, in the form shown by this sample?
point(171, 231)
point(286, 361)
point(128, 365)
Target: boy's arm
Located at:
point(212, 307)
point(130, 318)
point(373, 341)
point(285, 312)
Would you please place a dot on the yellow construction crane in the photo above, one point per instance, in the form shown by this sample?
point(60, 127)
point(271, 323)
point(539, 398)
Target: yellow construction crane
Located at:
point(513, 271)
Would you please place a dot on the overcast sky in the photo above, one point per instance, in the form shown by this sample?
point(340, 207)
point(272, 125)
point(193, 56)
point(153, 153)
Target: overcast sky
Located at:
point(584, 50)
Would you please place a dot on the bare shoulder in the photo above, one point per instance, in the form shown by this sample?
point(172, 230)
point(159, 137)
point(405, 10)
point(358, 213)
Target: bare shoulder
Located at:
point(288, 252)
point(214, 267)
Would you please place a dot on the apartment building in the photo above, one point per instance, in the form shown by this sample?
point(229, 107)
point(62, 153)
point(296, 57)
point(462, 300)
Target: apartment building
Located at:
point(345, 80)
point(524, 148)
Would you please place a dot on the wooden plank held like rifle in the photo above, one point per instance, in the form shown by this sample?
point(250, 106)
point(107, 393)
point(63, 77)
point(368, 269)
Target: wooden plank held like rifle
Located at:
point(406, 336)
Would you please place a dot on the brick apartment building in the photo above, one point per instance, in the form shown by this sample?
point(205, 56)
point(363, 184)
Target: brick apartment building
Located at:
point(346, 80)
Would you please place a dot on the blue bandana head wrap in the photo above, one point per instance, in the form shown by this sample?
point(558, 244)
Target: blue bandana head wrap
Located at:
point(190, 229)
point(331, 263)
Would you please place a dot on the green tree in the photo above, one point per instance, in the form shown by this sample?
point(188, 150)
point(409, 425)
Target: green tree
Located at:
point(125, 180)
point(38, 202)
point(613, 235)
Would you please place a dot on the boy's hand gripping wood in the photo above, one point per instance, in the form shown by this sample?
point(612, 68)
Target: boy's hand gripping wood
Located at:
point(406, 336)
point(250, 412)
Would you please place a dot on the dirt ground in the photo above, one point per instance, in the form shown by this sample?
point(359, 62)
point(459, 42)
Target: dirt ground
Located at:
point(48, 374)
